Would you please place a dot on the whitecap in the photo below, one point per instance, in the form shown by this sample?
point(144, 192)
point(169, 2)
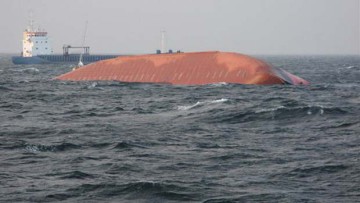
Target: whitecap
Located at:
point(352, 67)
point(92, 85)
point(184, 108)
point(320, 107)
point(218, 101)
point(30, 70)
point(32, 148)
point(270, 110)
point(219, 84)
point(315, 109)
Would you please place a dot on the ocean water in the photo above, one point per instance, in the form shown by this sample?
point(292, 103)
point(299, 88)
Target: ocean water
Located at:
point(123, 142)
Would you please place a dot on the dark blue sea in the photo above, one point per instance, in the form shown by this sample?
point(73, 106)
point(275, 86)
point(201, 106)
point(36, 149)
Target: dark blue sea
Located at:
point(124, 142)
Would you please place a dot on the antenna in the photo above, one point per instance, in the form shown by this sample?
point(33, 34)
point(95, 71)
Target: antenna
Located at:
point(83, 44)
point(84, 38)
point(163, 42)
point(31, 21)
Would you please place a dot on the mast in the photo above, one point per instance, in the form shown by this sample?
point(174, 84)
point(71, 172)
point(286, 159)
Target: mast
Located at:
point(163, 42)
point(31, 21)
point(83, 44)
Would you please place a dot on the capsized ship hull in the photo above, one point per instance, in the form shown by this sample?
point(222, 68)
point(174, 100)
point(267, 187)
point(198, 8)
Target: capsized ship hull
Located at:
point(197, 68)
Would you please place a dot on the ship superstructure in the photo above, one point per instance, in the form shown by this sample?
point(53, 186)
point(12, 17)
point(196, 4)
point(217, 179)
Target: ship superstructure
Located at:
point(35, 42)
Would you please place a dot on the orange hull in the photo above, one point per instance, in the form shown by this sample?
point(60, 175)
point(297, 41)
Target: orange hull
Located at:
point(185, 69)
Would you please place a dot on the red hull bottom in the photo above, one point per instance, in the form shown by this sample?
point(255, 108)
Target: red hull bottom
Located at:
point(185, 69)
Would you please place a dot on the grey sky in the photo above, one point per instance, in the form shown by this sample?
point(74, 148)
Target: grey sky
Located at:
point(134, 26)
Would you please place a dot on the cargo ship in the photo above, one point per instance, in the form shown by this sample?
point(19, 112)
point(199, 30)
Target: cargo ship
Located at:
point(197, 68)
point(36, 49)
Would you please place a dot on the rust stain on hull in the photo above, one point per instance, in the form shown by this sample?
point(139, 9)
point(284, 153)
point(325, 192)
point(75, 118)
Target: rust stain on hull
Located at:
point(197, 68)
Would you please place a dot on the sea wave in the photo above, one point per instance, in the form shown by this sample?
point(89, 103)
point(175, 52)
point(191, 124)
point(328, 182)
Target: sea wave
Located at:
point(92, 85)
point(308, 110)
point(185, 108)
point(352, 67)
point(34, 148)
point(77, 175)
point(314, 171)
point(220, 84)
point(128, 145)
point(275, 113)
point(140, 190)
point(5, 88)
point(27, 70)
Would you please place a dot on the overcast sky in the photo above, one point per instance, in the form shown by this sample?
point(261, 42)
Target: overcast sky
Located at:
point(134, 26)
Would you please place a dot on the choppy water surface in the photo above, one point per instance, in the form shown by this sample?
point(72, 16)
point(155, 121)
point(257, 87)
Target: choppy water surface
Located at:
point(120, 142)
